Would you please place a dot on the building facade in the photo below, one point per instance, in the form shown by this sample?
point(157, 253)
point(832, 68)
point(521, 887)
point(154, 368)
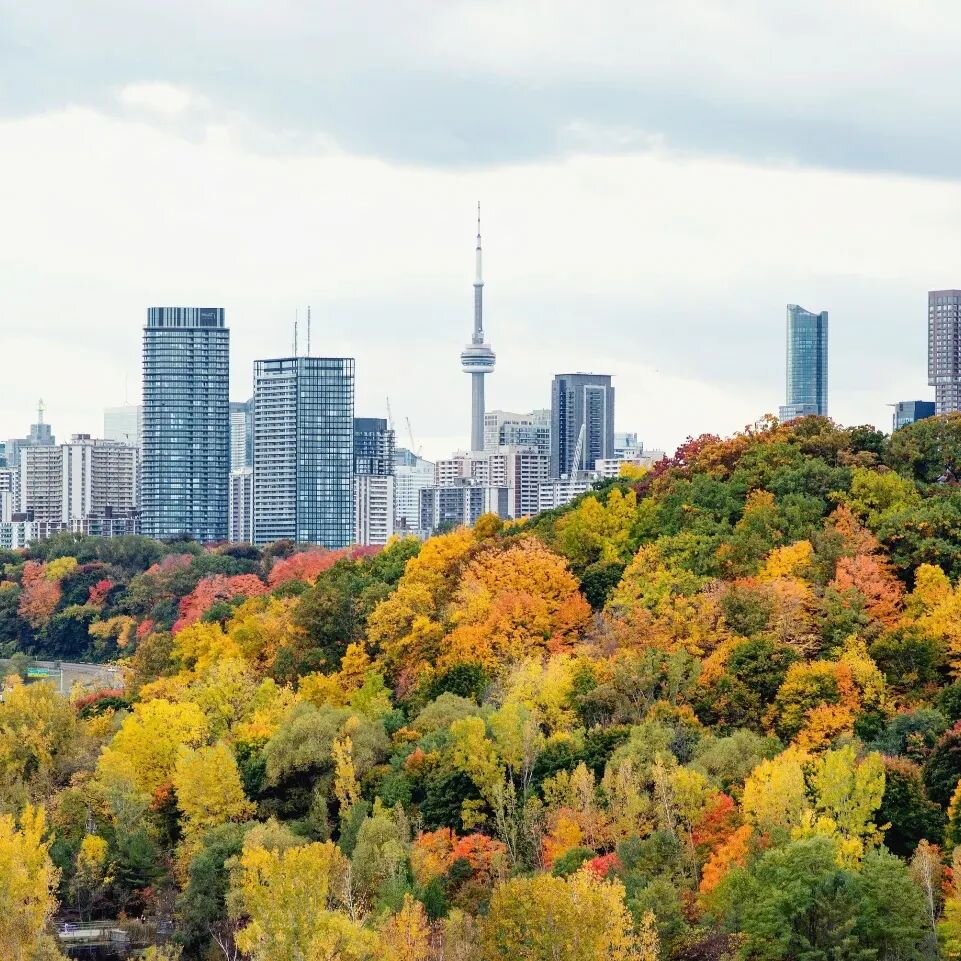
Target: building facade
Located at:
point(240, 506)
point(123, 424)
point(373, 508)
point(910, 411)
point(581, 402)
point(944, 349)
point(304, 450)
point(806, 364)
point(373, 446)
point(460, 505)
point(186, 423)
point(412, 474)
point(241, 434)
point(87, 486)
point(41, 435)
point(504, 428)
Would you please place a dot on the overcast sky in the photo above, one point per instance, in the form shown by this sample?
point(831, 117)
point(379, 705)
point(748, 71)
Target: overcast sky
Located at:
point(658, 179)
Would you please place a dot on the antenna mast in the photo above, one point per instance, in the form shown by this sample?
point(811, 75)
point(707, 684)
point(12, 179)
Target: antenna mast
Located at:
point(296, 320)
point(308, 330)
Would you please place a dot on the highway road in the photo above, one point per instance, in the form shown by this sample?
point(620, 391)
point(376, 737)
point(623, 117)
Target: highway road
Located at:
point(88, 675)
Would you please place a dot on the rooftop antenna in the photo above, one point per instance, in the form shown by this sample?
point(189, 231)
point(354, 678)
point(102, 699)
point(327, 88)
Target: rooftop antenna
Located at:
point(40, 410)
point(308, 330)
point(296, 320)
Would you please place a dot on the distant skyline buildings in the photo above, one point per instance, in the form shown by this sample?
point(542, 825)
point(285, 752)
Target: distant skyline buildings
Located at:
point(581, 400)
point(186, 423)
point(910, 412)
point(241, 434)
point(123, 424)
point(806, 364)
point(304, 450)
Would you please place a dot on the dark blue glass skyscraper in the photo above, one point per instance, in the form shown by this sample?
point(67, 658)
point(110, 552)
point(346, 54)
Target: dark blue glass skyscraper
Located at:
point(186, 423)
point(807, 364)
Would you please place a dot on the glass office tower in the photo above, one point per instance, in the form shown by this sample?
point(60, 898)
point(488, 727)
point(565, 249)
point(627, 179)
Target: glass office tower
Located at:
point(304, 450)
point(807, 364)
point(186, 423)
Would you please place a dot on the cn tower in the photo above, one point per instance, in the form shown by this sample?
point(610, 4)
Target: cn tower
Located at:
point(477, 358)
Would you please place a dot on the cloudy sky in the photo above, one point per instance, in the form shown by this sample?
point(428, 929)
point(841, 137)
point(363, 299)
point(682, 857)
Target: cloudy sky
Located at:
point(658, 179)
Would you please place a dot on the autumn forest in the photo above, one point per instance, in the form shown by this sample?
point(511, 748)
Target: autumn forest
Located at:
point(708, 711)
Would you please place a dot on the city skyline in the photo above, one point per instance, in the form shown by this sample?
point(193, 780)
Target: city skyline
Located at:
point(143, 180)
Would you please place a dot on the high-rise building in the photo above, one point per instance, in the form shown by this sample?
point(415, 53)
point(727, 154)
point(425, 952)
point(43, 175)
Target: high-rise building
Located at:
point(461, 504)
point(581, 404)
point(944, 349)
point(186, 423)
point(240, 506)
point(477, 358)
point(910, 411)
point(241, 434)
point(504, 428)
point(373, 508)
point(87, 486)
point(807, 364)
point(123, 424)
point(412, 474)
point(304, 450)
point(373, 446)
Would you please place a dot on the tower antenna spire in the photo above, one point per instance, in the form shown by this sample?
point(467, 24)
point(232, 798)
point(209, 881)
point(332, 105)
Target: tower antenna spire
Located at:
point(296, 321)
point(308, 330)
point(40, 410)
point(477, 358)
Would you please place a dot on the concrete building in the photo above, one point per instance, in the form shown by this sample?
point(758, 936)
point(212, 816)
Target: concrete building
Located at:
point(910, 411)
point(558, 493)
point(477, 358)
point(304, 450)
point(124, 424)
point(373, 508)
point(504, 428)
point(87, 486)
point(806, 364)
point(412, 474)
point(461, 504)
point(240, 506)
point(944, 349)
point(581, 402)
point(606, 469)
point(241, 434)
point(186, 423)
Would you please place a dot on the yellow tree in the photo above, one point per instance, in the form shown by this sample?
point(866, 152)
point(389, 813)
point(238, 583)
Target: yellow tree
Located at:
point(775, 794)
point(405, 936)
point(545, 918)
point(145, 749)
point(286, 901)
point(28, 880)
point(407, 626)
point(209, 789)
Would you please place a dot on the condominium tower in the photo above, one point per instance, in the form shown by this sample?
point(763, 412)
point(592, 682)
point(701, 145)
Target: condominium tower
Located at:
point(581, 403)
point(304, 450)
point(944, 349)
point(806, 364)
point(186, 423)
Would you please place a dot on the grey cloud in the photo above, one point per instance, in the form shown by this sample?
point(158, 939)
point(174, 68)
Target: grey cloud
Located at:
point(364, 78)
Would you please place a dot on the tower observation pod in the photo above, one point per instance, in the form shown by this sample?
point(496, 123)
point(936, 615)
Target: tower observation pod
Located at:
point(477, 358)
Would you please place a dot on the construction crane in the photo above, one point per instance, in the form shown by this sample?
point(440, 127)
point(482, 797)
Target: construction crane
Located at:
point(390, 415)
point(413, 444)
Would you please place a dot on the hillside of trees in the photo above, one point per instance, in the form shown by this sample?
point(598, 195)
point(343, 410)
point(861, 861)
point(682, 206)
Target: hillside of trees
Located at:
point(709, 711)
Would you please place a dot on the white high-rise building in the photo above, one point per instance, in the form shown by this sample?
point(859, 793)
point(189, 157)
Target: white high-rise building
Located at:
point(504, 428)
point(124, 424)
point(412, 474)
point(373, 508)
point(87, 486)
point(240, 506)
point(241, 434)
